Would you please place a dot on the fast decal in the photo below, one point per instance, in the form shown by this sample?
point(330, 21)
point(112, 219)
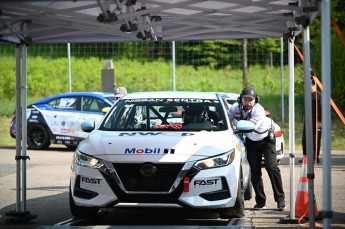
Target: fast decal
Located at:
point(149, 134)
point(206, 182)
point(86, 181)
point(148, 151)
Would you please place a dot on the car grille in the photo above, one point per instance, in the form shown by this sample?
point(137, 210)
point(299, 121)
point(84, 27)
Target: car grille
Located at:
point(134, 181)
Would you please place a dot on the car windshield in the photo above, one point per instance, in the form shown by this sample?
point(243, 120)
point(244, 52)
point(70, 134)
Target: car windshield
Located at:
point(166, 115)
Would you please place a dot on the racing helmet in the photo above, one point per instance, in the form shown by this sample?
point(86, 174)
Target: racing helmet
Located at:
point(195, 114)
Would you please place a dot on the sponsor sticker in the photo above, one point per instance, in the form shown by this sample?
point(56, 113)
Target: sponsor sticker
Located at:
point(65, 130)
point(172, 100)
point(149, 151)
point(210, 184)
point(87, 182)
point(149, 134)
point(63, 138)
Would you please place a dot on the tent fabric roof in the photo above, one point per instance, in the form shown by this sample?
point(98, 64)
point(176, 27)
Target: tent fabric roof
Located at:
point(132, 20)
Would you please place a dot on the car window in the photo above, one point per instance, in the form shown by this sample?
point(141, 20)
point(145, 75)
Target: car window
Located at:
point(111, 99)
point(165, 114)
point(66, 103)
point(93, 104)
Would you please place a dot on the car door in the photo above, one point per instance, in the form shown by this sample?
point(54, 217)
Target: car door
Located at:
point(91, 109)
point(61, 115)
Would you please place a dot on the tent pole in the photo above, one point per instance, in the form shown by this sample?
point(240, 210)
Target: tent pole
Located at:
point(282, 74)
point(291, 64)
point(18, 128)
point(24, 124)
point(326, 111)
point(173, 67)
point(20, 215)
point(308, 125)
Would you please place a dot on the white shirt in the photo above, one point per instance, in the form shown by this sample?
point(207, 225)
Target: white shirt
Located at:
point(257, 115)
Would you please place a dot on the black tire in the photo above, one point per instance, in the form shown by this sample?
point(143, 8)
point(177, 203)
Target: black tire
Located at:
point(79, 211)
point(38, 137)
point(248, 193)
point(236, 211)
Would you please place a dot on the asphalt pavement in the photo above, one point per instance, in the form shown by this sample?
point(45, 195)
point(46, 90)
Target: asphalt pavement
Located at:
point(47, 198)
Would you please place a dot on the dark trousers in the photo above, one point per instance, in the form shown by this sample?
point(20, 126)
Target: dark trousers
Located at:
point(316, 152)
point(255, 151)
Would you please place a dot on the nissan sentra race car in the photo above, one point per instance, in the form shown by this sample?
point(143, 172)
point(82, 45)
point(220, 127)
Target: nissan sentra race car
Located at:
point(161, 149)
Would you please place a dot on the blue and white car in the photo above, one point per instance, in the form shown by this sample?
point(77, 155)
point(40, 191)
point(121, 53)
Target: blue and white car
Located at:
point(161, 150)
point(57, 119)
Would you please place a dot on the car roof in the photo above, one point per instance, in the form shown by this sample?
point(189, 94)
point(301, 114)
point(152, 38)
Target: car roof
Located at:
point(99, 95)
point(171, 94)
point(230, 95)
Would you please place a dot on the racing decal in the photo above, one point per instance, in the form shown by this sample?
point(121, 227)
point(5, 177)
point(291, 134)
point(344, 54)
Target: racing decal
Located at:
point(139, 133)
point(173, 100)
point(207, 185)
point(65, 130)
point(206, 182)
point(67, 122)
point(148, 151)
point(149, 134)
point(64, 138)
point(167, 151)
point(89, 182)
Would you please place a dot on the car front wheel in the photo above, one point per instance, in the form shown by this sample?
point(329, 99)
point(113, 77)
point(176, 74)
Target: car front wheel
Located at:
point(38, 137)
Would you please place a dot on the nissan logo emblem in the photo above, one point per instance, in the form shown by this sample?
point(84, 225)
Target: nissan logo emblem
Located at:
point(148, 170)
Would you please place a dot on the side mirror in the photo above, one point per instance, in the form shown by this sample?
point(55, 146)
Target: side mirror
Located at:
point(105, 110)
point(244, 126)
point(88, 126)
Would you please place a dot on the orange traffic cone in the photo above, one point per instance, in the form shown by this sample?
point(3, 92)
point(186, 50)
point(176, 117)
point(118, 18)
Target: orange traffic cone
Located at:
point(302, 203)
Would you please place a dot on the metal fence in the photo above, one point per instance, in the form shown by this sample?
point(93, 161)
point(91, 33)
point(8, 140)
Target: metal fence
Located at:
point(217, 54)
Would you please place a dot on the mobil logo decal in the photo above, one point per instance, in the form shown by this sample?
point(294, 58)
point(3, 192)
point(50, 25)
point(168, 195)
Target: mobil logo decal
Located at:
point(148, 151)
point(142, 151)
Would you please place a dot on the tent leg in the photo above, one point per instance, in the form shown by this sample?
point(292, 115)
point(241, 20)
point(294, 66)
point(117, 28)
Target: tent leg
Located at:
point(20, 215)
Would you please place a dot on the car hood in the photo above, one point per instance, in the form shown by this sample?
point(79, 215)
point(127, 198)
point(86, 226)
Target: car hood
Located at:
point(156, 146)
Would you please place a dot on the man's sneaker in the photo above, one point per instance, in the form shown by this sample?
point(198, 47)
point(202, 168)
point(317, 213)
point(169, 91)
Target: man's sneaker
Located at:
point(259, 206)
point(281, 206)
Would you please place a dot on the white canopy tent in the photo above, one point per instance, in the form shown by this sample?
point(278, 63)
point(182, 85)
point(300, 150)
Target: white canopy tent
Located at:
point(30, 22)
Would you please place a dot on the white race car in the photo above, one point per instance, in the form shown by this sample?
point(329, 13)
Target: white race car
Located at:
point(161, 149)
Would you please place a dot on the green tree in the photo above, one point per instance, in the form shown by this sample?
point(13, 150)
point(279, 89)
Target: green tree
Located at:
point(337, 53)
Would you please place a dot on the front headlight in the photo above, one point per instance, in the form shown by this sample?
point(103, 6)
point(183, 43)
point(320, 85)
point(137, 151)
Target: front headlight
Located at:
point(87, 161)
point(218, 161)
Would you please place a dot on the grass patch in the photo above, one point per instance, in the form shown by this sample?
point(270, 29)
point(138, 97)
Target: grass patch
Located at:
point(6, 139)
point(337, 135)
